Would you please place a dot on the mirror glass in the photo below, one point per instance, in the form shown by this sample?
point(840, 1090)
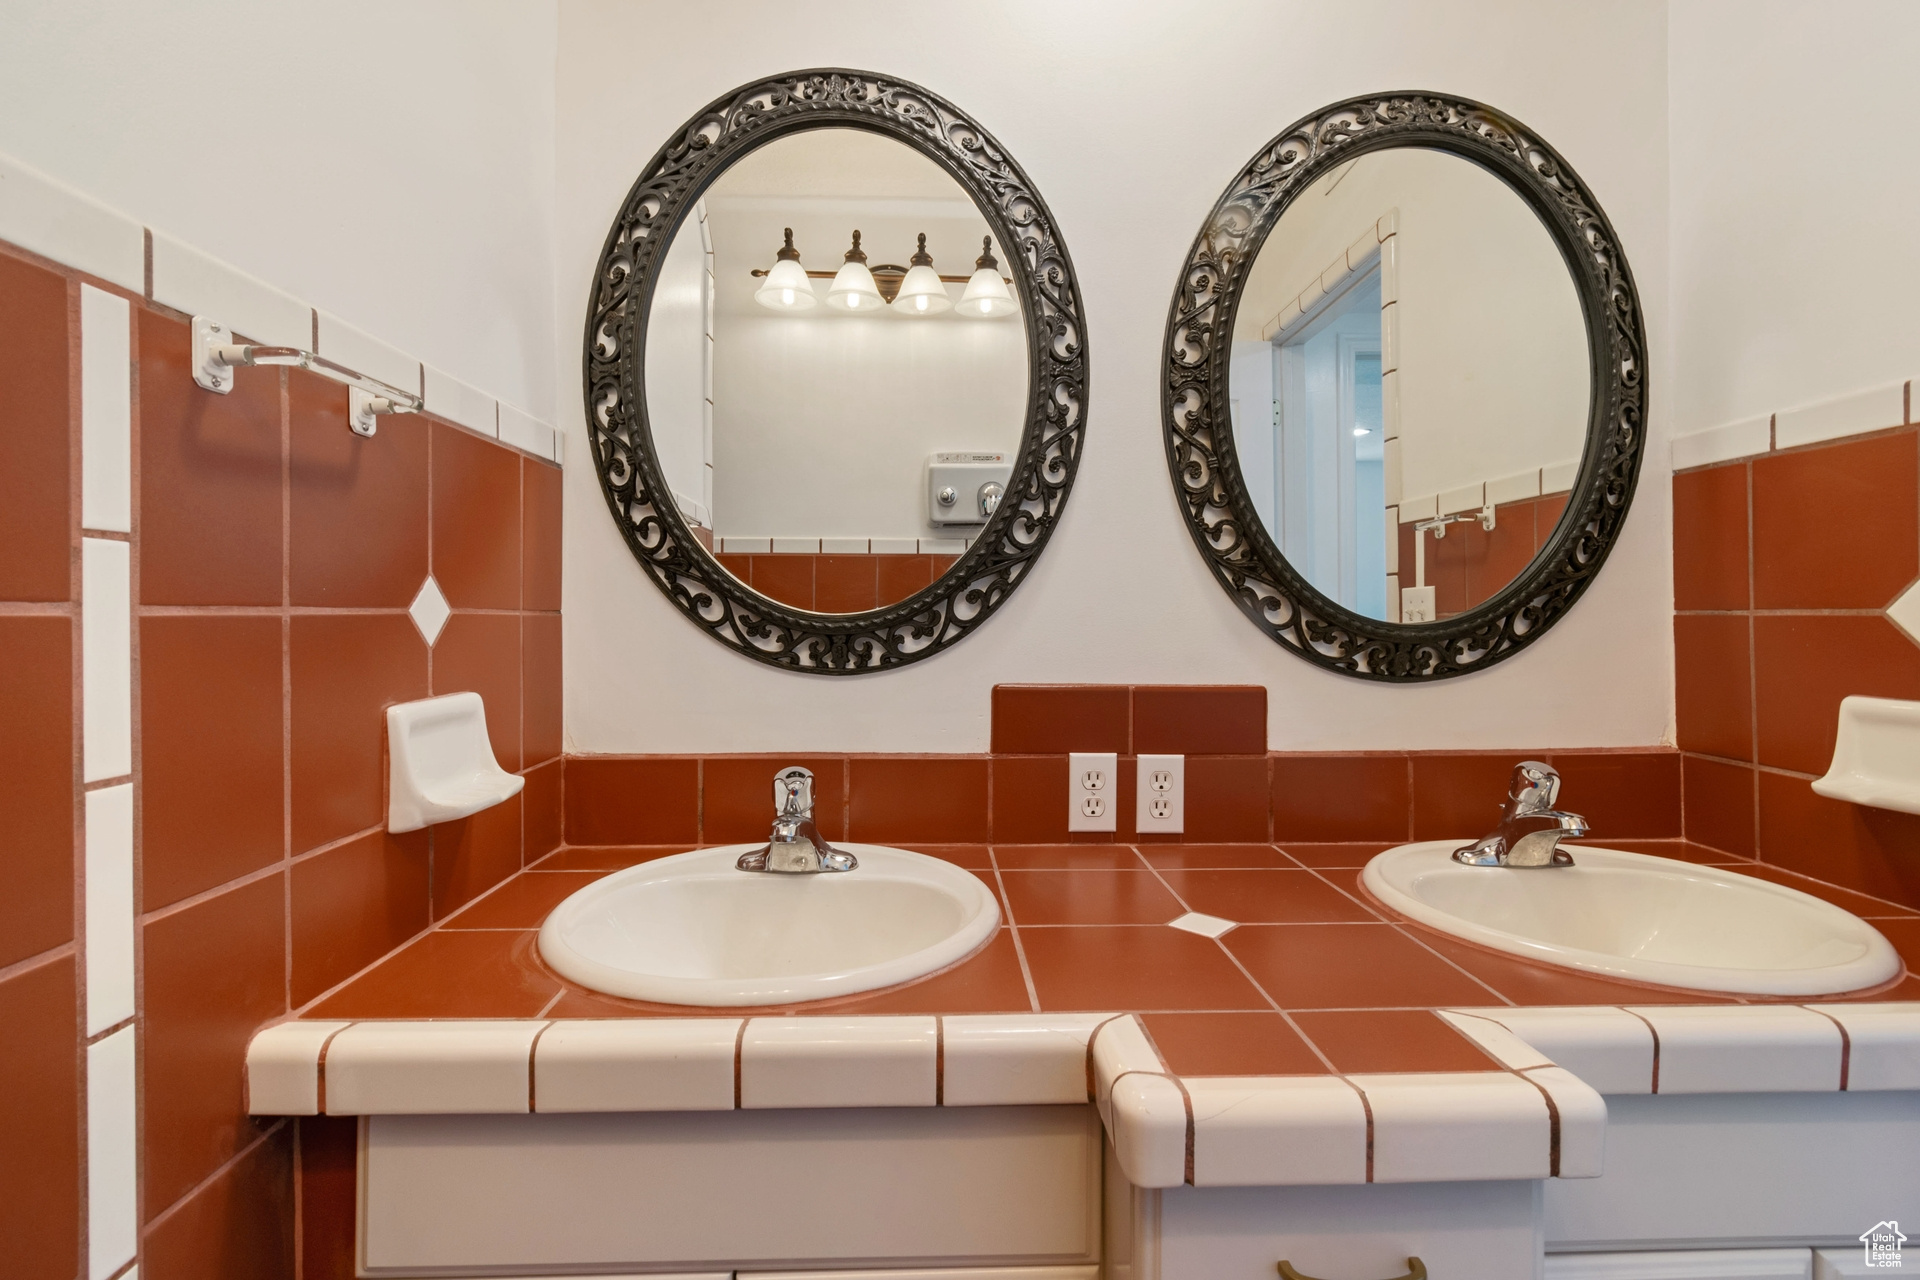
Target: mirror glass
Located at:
point(836, 370)
point(1409, 384)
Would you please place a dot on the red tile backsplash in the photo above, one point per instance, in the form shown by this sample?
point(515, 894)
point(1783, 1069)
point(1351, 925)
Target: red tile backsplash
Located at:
point(1835, 538)
point(40, 1218)
point(1321, 798)
point(275, 555)
point(896, 798)
point(211, 488)
point(1710, 538)
point(1226, 798)
point(1459, 794)
point(347, 669)
point(1805, 663)
point(1622, 794)
point(1713, 683)
point(36, 785)
point(480, 653)
point(1030, 798)
point(1838, 526)
point(541, 487)
point(35, 442)
point(213, 801)
point(1199, 720)
point(359, 505)
point(476, 521)
point(634, 800)
point(1034, 719)
point(353, 903)
point(737, 795)
point(215, 971)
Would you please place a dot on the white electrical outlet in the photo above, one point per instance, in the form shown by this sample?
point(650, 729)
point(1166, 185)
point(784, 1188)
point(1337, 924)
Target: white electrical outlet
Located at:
point(1093, 789)
point(1160, 801)
point(1417, 604)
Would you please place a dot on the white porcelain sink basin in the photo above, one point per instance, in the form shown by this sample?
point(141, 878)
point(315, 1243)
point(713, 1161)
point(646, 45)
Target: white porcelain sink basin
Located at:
point(692, 929)
point(1641, 918)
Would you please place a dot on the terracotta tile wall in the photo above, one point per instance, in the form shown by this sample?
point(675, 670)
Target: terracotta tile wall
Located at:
point(274, 555)
point(836, 583)
point(1784, 566)
point(1017, 793)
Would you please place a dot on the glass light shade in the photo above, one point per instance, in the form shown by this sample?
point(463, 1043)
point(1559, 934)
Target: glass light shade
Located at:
point(786, 288)
point(853, 290)
point(922, 293)
point(986, 296)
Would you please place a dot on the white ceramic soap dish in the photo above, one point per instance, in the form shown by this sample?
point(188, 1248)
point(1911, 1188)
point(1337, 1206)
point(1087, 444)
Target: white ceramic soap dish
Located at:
point(442, 764)
point(1876, 758)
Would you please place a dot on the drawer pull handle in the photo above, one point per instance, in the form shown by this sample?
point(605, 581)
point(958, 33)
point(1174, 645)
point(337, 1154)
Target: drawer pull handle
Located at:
point(1416, 1270)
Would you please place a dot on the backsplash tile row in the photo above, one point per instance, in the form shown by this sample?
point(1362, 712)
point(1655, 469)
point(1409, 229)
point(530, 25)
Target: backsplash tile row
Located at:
point(1785, 567)
point(242, 577)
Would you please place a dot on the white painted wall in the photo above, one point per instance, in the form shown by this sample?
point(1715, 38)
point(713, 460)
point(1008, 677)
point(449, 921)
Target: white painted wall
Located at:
point(1794, 191)
point(1130, 117)
point(389, 163)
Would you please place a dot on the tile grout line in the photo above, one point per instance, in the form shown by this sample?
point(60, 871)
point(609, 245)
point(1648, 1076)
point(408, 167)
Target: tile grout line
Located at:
point(1019, 951)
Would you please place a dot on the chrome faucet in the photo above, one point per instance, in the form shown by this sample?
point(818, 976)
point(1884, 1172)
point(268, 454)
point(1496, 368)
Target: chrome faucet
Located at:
point(1530, 829)
point(795, 846)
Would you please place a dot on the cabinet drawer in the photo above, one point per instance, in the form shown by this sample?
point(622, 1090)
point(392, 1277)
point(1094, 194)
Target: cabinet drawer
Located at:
point(1458, 1230)
point(729, 1190)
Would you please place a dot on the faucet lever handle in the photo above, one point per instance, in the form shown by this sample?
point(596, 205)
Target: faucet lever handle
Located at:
point(793, 793)
point(1534, 788)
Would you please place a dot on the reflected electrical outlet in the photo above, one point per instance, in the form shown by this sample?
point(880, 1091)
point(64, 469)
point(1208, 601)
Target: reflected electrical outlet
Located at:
point(1417, 604)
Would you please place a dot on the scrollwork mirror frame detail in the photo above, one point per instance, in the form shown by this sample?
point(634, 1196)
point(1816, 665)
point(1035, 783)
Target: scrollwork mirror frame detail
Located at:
point(1001, 557)
point(1196, 409)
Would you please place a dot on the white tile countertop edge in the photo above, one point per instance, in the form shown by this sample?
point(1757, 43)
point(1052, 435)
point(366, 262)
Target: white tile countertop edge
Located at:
point(1544, 1115)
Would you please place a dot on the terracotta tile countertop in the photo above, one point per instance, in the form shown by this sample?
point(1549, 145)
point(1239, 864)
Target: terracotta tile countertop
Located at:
point(1315, 978)
point(1320, 1041)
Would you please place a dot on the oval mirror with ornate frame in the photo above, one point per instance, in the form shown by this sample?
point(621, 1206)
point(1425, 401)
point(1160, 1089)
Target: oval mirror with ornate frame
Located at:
point(1234, 489)
point(1012, 529)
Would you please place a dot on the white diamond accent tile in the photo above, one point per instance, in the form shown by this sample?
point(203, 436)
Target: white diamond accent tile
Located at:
point(1204, 925)
point(1905, 612)
point(430, 610)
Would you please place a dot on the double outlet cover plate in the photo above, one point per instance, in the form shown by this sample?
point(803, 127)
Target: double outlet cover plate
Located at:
point(1159, 793)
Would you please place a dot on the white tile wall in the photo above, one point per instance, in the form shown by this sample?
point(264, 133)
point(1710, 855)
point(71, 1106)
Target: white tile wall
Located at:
point(1723, 444)
point(106, 411)
point(198, 283)
point(106, 657)
point(524, 431)
point(57, 222)
point(364, 353)
point(893, 546)
point(1869, 410)
point(109, 897)
point(112, 1214)
point(1515, 488)
point(796, 546)
point(1469, 498)
point(1559, 477)
point(455, 401)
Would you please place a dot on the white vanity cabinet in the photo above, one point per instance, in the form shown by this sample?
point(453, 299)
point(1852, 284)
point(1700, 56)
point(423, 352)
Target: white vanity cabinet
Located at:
point(1743, 1186)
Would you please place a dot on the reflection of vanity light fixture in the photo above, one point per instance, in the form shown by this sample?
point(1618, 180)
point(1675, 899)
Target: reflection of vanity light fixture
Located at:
point(986, 295)
point(922, 293)
point(786, 287)
point(853, 287)
point(1362, 431)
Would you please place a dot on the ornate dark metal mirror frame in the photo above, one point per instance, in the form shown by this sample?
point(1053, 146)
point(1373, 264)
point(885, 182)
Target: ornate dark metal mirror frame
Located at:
point(1206, 469)
point(940, 615)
